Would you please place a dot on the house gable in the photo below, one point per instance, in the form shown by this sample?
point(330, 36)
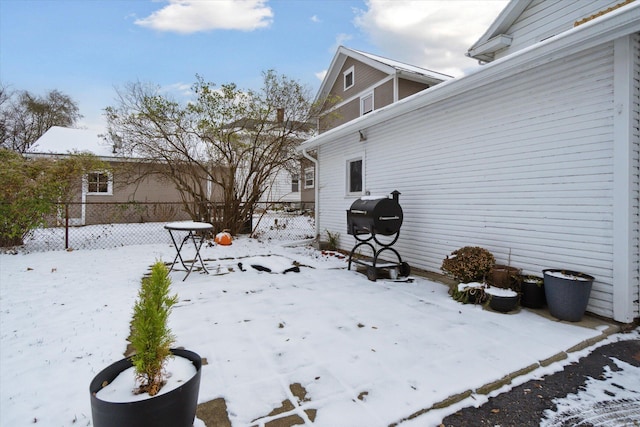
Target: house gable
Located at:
point(359, 82)
point(524, 23)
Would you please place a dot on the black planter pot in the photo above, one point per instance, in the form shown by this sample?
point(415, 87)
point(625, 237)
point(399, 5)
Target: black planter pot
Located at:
point(567, 297)
point(503, 304)
point(532, 294)
point(176, 408)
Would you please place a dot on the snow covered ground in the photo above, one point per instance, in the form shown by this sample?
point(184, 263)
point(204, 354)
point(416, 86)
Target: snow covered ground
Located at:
point(368, 353)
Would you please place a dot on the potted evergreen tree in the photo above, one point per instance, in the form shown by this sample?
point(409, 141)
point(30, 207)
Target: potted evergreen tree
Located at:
point(151, 400)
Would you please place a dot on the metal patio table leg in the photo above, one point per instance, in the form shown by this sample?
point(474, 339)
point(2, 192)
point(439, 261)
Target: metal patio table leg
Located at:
point(192, 229)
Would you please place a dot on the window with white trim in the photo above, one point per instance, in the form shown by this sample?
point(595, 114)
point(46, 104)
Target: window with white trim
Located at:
point(309, 178)
point(295, 183)
point(355, 176)
point(349, 78)
point(366, 103)
point(99, 183)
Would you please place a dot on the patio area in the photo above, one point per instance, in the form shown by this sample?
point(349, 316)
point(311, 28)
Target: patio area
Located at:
point(321, 346)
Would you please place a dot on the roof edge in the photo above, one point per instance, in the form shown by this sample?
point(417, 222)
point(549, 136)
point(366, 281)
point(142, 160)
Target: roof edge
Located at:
point(505, 19)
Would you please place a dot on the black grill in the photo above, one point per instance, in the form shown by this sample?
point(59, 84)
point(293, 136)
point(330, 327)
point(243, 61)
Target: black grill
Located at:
point(375, 216)
point(368, 218)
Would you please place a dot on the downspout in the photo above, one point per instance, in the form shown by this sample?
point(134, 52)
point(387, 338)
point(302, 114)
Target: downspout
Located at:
point(316, 189)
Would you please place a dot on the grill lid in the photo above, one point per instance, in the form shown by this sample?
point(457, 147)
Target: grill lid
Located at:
point(375, 215)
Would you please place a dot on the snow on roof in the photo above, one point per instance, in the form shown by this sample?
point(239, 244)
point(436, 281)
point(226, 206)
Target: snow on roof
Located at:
point(60, 140)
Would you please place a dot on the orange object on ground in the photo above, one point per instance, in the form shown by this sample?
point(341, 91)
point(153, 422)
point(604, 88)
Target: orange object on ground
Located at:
point(223, 238)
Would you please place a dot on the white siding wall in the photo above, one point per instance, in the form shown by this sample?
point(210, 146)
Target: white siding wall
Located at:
point(522, 167)
point(544, 18)
point(279, 188)
point(635, 123)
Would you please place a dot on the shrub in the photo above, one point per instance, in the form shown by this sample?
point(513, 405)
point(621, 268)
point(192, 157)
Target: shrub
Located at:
point(468, 264)
point(151, 337)
point(31, 188)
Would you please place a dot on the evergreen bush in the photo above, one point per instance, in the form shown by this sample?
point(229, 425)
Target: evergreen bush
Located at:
point(151, 337)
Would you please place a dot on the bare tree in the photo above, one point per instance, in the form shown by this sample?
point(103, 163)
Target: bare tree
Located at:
point(230, 139)
point(25, 117)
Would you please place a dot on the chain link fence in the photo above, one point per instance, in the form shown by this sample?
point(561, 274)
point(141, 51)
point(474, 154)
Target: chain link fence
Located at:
point(111, 225)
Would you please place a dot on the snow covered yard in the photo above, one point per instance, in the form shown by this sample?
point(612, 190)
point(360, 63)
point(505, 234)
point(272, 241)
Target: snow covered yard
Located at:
point(368, 354)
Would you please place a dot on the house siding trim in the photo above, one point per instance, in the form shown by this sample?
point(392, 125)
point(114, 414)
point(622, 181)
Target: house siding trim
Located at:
point(623, 180)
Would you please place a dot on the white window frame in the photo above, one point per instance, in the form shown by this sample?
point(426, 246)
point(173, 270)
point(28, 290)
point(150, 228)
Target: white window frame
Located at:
point(350, 70)
point(309, 178)
point(295, 181)
point(109, 191)
point(363, 99)
point(348, 163)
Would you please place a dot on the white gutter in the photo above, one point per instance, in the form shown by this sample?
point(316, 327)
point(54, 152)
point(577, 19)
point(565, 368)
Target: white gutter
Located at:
point(613, 25)
point(316, 189)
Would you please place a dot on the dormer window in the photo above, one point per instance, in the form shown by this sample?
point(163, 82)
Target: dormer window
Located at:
point(348, 78)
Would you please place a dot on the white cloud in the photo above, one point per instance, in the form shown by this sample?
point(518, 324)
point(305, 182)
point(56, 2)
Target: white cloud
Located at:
point(341, 40)
point(181, 90)
point(190, 16)
point(432, 34)
point(315, 18)
point(321, 74)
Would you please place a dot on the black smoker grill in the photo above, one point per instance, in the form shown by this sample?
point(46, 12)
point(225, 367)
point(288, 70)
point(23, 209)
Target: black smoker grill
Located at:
point(366, 220)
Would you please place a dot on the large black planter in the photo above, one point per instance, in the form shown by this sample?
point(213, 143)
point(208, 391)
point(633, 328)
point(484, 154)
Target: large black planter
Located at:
point(176, 408)
point(567, 297)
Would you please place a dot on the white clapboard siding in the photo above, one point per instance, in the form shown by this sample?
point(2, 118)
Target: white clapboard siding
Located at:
point(522, 167)
point(278, 188)
point(635, 176)
point(543, 19)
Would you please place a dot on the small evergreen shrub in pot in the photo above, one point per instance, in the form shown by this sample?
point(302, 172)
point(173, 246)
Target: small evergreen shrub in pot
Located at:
point(148, 404)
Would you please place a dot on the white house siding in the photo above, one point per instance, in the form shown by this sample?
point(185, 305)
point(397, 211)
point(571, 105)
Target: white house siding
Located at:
point(543, 19)
point(279, 188)
point(635, 150)
point(522, 167)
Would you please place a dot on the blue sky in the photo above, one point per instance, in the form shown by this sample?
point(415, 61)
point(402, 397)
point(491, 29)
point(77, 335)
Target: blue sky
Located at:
point(87, 48)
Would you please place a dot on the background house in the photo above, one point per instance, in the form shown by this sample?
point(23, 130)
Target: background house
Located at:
point(534, 156)
point(123, 193)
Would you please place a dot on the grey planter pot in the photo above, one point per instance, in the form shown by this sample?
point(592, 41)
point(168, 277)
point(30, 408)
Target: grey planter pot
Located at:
point(567, 297)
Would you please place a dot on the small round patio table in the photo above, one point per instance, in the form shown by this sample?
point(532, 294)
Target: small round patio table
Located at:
point(196, 232)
